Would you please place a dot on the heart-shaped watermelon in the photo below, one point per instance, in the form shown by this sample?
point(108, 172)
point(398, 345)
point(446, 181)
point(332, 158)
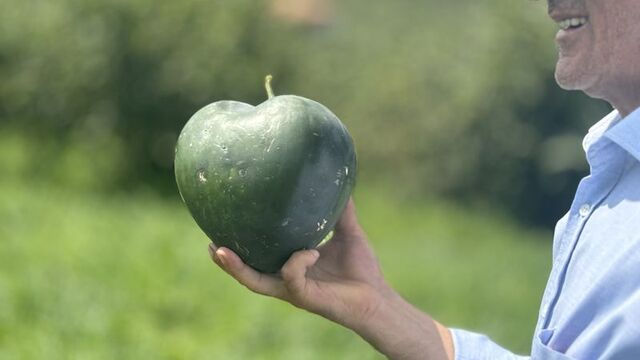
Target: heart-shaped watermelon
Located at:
point(268, 180)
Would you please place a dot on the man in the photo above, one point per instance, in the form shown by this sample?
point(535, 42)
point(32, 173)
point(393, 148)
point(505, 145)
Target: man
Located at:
point(591, 306)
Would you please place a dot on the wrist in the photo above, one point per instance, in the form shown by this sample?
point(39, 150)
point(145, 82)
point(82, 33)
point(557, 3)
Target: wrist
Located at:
point(400, 331)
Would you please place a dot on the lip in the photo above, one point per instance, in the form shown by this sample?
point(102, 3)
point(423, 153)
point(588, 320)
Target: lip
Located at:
point(559, 15)
point(567, 34)
point(566, 40)
point(560, 11)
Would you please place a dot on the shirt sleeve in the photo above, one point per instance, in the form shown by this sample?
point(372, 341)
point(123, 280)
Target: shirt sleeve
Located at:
point(471, 346)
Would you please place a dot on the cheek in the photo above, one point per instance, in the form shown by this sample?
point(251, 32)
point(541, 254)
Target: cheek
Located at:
point(602, 42)
point(619, 45)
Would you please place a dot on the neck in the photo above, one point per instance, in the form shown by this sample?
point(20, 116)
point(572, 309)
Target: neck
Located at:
point(626, 99)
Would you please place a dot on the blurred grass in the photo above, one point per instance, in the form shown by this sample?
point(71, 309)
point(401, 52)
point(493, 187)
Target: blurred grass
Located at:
point(89, 276)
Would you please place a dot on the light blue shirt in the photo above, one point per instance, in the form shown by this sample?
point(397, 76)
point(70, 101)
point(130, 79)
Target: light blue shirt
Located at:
point(591, 305)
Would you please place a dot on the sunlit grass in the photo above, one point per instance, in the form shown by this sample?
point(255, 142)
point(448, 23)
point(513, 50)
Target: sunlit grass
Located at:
point(87, 276)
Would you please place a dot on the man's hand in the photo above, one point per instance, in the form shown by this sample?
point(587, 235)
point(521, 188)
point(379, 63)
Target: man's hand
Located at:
point(342, 281)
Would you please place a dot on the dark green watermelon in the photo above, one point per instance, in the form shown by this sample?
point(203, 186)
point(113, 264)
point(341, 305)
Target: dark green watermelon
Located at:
point(268, 180)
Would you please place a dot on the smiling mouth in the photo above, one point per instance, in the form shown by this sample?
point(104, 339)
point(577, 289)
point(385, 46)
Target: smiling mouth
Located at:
point(572, 23)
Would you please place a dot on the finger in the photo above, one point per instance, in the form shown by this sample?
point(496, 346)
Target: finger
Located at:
point(348, 222)
point(294, 270)
point(212, 252)
point(245, 275)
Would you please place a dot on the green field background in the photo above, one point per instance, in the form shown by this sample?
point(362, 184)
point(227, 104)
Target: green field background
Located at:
point(468, 152)
point(128, 277)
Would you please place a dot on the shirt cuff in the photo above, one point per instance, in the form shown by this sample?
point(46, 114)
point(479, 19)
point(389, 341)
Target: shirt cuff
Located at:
point(471, 346)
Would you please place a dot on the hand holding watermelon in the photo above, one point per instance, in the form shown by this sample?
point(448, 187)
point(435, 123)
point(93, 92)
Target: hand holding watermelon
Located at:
point(344, 267)
point(342, 281)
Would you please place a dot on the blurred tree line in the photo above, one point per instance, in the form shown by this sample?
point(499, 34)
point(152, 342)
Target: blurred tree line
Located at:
point(453, 99)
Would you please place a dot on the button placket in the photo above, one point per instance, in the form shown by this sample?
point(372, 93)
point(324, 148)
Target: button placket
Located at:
point(577, 219)
point(575, 225)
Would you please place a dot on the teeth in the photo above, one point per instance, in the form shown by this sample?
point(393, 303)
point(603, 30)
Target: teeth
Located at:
point(572, 22)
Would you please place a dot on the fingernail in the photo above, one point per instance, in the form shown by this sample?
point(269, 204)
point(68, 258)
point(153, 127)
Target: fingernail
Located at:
point(220, 256)
point(315, 253)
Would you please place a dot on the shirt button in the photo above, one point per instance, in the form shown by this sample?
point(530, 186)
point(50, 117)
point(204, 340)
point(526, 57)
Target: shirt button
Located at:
point(584, 210)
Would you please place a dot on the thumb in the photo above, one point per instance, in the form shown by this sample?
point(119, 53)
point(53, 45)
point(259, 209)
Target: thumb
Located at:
point(348, 222)
point(295, 269)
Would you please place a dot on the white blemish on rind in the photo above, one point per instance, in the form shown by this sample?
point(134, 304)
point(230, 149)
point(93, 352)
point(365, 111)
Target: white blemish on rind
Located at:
point(346, 170)
point(243, 129)
point(241, 248)
point(322, 225)
point(202, 176)
point(270, 129)
point(223, 148)
point(270, 144)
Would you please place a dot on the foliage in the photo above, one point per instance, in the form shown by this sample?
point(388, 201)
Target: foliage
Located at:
point(450, 99)
point(128, 277)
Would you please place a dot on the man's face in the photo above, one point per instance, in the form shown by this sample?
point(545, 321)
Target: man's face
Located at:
point(598, 44)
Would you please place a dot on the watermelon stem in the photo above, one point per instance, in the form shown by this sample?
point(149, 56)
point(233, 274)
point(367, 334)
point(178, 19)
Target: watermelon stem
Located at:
point(267, 85)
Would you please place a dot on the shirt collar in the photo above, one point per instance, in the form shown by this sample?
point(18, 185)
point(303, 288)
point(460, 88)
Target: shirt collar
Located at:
point(598, 130)
point(625, 132)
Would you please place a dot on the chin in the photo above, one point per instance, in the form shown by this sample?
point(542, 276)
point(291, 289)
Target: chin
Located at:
point(573, 77)
point(567, 83)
